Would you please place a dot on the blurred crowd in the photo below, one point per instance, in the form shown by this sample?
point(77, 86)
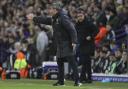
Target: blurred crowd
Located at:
point(35, 41)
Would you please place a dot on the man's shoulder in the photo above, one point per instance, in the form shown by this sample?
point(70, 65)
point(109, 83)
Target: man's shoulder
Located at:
point(64, 17)
point(64, 14)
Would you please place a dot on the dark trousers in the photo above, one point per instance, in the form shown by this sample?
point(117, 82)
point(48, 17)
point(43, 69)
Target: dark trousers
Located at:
point(86, 67)
point(72, 63)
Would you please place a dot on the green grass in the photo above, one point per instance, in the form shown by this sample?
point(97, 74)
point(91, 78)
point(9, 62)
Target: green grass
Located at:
point(47, 84)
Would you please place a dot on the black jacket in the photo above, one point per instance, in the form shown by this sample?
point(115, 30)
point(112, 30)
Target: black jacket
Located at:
point(3, 51)
point(84, 29)
point(64, 32)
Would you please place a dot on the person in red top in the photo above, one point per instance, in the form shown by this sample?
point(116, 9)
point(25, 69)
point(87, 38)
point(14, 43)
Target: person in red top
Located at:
point(100, 36)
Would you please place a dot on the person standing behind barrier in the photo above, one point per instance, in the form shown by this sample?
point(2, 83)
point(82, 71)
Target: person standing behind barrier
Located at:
point(86, 34)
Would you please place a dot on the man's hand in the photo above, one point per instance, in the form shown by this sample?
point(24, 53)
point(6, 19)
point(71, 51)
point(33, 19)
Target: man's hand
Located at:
point(88, 38)
point(74, 47)
point(73, 44)
point(30, 16)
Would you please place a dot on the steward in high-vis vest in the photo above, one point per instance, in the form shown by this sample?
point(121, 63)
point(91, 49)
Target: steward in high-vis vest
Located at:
point(21, 64)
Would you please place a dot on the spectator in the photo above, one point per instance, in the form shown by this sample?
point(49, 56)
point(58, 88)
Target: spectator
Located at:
point(96, 61)
point(122, 64)
point(112, 64)
point(3, 49)
point(104, 61)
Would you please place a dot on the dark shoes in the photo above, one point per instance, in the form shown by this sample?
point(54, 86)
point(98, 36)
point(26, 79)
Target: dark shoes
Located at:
point(58, 84)
point(62, 84)
point(78, 84)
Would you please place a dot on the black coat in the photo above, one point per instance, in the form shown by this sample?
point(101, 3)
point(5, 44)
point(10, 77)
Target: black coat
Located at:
point(3, 51)
point(84, 29)
point(64, 32)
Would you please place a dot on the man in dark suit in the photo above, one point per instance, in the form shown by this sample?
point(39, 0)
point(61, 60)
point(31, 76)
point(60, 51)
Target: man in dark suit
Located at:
point(86, 33)
point(65, 36)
